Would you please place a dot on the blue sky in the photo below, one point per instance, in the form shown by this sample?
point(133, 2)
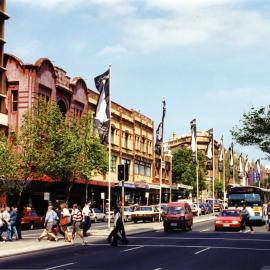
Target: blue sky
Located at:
point(210, 58)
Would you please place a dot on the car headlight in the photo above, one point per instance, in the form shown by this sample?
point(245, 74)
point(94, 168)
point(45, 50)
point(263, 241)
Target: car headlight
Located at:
point(235, 222)
point(218, 221)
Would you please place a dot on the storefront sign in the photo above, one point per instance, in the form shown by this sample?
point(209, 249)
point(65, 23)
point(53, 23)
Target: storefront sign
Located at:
point(46, 196)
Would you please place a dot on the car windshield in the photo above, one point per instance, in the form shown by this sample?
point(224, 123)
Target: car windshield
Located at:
point(175, 210)
point(250, 199)
point(230, 214)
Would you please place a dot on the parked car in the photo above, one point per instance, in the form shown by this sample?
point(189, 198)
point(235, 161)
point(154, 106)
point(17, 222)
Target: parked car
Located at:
point(127, 213)
point(196, 210)
point(229, 219)
point(217, 205)
point(96, 215)
point(30, 219)
point(145, 213)
point(178, 216)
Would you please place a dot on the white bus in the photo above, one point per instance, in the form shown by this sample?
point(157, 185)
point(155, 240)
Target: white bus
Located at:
point(254, 198)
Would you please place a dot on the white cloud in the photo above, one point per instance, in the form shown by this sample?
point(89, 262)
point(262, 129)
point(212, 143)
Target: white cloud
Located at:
point(114, 50)
point(28, 51)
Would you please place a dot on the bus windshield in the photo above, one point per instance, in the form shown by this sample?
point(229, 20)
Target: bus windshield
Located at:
point(249, 199)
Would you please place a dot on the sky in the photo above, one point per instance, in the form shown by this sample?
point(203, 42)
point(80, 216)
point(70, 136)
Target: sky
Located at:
point(209, 58)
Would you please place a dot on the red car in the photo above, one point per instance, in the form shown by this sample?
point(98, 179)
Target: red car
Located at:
point(178, 215)
point(31, 219)
point(229, 219)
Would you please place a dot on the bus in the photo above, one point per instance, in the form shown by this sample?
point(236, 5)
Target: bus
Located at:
point(255, 199)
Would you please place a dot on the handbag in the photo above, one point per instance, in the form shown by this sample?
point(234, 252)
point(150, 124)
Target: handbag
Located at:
point(65, 221)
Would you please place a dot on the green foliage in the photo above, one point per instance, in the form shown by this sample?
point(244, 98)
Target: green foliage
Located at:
point(49, 144)
point(219, 188)
point(184, 170)
point(254, 129)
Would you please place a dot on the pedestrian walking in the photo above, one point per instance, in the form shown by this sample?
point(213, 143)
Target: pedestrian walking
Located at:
point(77, 223)
point(13, 219)
point(268, 216)
point(115, 234)
point(50, 221)
point(246, 218)
point(2, 224)
point(86, 221)
point(65, 221)
point(18, 222)
point(6, 218)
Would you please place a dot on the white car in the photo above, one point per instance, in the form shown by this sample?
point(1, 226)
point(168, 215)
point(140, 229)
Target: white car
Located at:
point(96, 215)
point(127, 214)
point(196, 210)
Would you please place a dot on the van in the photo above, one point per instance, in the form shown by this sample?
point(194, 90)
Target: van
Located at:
point(178, 216)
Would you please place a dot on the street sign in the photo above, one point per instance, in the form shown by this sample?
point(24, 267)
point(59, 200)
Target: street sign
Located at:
point(46, 196)
point(102, 194)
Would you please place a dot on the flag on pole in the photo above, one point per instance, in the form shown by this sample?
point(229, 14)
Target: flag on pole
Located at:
point(102, 114)
point(193, 141)
point(240, 171)
point(231, 159)
point(209, 151)
point(221, 155)
point(247, 169)
point(258, 169)
point(159, 131)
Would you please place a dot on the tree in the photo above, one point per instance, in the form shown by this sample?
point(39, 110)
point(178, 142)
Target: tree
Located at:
point(184, 170)
point(254, 129)
point(219, 188)
point(63, 149)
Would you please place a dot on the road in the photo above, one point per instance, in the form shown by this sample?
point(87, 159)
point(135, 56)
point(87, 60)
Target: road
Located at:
point(203, 248)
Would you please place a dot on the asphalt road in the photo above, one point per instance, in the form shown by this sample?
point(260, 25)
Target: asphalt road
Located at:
point(203, 248)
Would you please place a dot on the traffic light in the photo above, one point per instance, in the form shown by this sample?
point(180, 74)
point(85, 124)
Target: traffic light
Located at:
point(123, 172)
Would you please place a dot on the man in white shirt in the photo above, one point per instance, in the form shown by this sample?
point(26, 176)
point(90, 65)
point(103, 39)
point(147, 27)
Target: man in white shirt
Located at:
point(6, 219)
point(86, 218)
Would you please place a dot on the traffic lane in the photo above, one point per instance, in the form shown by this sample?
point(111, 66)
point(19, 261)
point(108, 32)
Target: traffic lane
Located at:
point(147, 255)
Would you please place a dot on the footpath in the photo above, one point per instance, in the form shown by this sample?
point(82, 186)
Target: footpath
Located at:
point(30, 244)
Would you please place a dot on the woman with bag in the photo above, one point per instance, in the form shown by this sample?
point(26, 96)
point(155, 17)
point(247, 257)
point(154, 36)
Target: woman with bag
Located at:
point(65, 221)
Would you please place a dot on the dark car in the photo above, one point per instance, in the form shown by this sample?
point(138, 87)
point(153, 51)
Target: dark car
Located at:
point(178, 216)
point(31, 220)
point(203, 209)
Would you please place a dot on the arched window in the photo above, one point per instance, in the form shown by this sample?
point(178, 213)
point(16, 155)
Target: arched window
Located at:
point(62, 106)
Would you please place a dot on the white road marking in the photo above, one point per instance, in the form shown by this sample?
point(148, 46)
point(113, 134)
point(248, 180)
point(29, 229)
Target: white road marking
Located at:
point(200, 238)
point(59, 266)
point(247, 231)
point(158, 269)
point(205, 230)
point(130, 249)
point(200, 251)
point(190, 246)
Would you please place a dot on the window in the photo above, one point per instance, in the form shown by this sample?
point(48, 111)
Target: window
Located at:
point(113, 163)
point(14, 100)
point(112, 135)
point(137, 164)
point(142, 168)
point(126, 140)
point(148, 169)
point(143, 144)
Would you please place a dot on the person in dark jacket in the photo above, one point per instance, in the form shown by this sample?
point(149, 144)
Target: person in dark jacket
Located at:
point(246, 218)
point(18, 223)
point(13, 219)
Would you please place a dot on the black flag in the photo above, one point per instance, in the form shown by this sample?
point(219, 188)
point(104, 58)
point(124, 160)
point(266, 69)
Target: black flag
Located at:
point(231, 159)
point(159, 131)
point(193, 141)
point(102, 114)
point(221, 155)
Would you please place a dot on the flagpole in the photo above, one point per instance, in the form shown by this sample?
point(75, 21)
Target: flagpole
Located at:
point(223, 171)
point(161, 160)
point(110, 150)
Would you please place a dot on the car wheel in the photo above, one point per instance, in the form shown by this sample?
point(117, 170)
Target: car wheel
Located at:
point(166, 229)
point(31, 226)
point(104, 219)
point(190, 227)
point(135, 221)
point(216, 229)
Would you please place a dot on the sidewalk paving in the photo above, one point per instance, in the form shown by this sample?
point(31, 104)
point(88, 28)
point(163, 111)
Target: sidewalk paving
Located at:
point(30, 243)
